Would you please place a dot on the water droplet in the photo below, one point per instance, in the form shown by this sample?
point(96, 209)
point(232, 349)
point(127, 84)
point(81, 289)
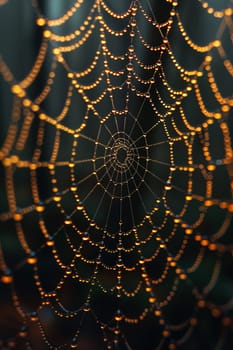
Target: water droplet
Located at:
point(40, 207)
point(80, 206)
point(68, 220)
point(34, 316)
point(18, 216)
point(86, 307)
point(23, 332)
point(85, 236)
point(168, 186)
point(32, 259)
point(7, 277)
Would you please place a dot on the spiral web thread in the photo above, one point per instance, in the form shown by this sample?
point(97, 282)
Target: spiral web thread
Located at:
point(118, 193)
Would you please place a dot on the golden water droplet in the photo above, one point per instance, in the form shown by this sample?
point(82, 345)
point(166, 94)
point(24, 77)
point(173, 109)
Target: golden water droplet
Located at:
point(177, 219)
point(119, 286)
point(17, 90)
point(118, 316)
point(74, 345)
point(40, 207)
point(78, 254)
point(131, 48)
point(50, 242)
point(161, 322)
point(68, 271)
point(41, 22)
point(205, 242)
point(217, 43)
point(129, 67)
point(201, 303)
point(188, 231)
point(26, 102)
point(18, 216)
point(198, 238)
point(228, 11)
point(85, 236)
point(212, 246)
point(157, 312)
point(22, 332)
point(7, 277)
point(57, 198)
point(47, 34)
point(7, 162)
point(101, 245)
point(166, 333)
point(208, 203)
point(119, 263)
point(80, 206)
point(73, 187)
point(230, 207)
point(168, 186)
point(34, 316)
point(51, 166)
point(68, 221)
point(152, 300)
point(211, 167)
point(32, 259)
point(117, 331)
point(183, 276)
point(225, 108)
point(86, 307)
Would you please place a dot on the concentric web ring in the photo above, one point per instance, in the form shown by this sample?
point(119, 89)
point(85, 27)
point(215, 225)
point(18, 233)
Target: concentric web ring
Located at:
point(122, 171)
point(116, 160)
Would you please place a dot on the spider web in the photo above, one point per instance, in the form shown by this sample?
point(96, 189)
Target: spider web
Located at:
point(116, 160)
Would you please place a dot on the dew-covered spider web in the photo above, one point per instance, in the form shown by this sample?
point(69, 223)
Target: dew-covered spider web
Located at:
point(116, 174)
